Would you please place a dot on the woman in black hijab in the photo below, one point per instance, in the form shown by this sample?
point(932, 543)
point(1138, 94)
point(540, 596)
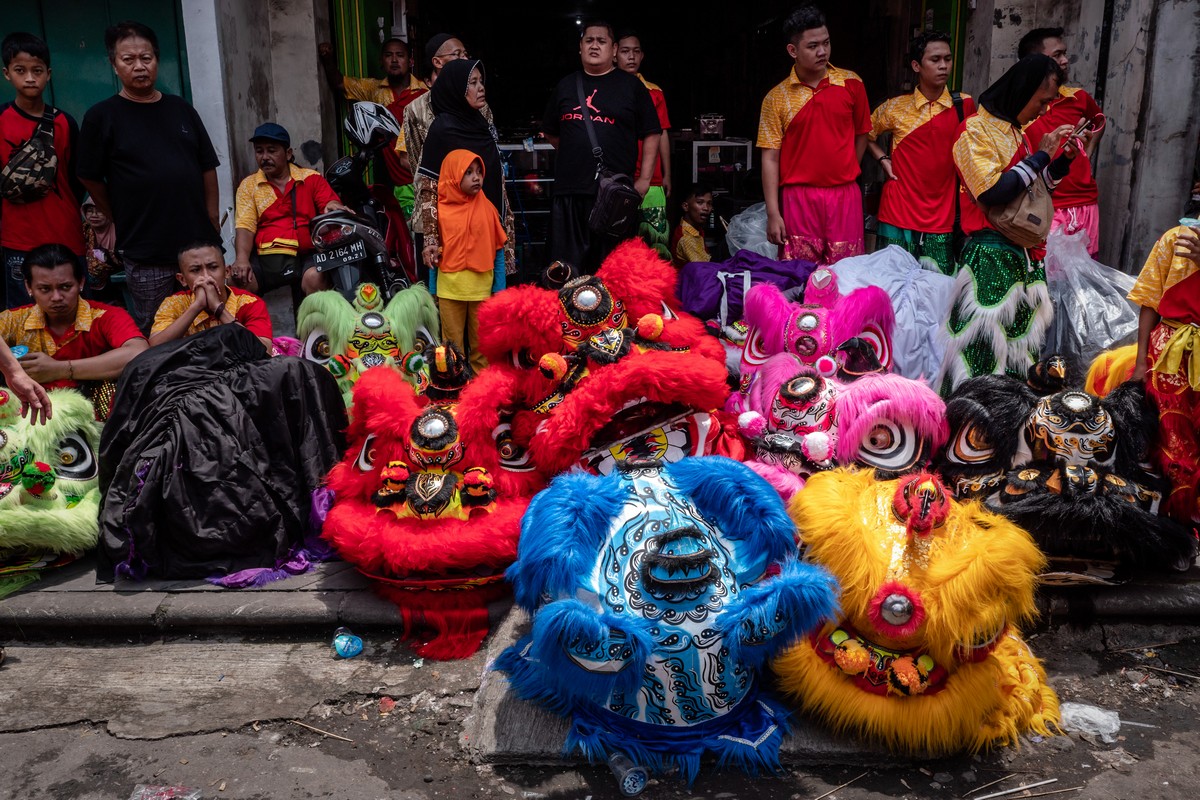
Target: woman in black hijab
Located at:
point(457, 98)
point(1001, 308)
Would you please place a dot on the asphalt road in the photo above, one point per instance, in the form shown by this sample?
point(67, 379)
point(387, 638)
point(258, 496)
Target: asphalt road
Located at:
point(91, 719)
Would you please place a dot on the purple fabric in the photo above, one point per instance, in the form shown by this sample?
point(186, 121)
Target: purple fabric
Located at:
point(300, 560)
point(322, 501)
point(700, 288)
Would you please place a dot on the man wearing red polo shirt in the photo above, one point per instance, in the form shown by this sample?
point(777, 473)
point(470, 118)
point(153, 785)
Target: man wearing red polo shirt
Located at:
point(653, 227)
point(917, 209)
point(1076, 200)
point(813, 131)
point(68, 339)
point(274, 206)
point(398, 87)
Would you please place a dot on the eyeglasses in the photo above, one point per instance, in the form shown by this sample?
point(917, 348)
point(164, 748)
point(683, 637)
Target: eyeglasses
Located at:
point(454, 54)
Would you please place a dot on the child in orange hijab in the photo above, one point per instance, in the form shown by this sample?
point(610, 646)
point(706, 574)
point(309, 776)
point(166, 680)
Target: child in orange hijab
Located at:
point(470, 266)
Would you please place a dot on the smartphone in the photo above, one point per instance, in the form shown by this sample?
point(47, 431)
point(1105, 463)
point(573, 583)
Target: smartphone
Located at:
point(1086, 125)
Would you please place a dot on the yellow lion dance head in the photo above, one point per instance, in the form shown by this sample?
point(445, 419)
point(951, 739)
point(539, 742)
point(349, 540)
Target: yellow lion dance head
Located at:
point(926, 657)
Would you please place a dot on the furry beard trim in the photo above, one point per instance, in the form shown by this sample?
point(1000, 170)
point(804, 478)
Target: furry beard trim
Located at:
point(444, 625)
point(378, 543)
point(748, 737)
point(987, 703)
point(988, 324)
point(72, 530)
point(1106, 524)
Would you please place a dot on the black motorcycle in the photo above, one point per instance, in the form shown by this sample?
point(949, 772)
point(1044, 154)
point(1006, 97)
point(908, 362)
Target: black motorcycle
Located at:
point(370, 242)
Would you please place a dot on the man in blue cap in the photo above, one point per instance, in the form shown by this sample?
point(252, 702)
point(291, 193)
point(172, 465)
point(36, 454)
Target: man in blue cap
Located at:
point(273, 208)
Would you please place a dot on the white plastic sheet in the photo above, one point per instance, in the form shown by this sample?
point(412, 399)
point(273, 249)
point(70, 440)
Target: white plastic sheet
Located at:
point(1091, 313)
point(748, 231)
point(920, 298)
point(1090, 720)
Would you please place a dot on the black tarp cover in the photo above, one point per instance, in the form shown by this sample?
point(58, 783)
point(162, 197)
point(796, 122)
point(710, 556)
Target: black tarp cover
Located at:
point(211, 456)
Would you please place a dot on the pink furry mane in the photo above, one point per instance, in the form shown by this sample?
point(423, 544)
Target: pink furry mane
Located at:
point(866, 401)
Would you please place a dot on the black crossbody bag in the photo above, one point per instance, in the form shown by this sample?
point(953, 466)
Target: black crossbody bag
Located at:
point(615, 212)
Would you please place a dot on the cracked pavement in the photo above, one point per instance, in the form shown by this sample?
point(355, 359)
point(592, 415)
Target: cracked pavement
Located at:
point(87, 719)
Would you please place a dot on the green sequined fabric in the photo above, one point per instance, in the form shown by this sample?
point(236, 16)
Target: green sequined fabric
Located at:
point(939, 247)
point(999, 278)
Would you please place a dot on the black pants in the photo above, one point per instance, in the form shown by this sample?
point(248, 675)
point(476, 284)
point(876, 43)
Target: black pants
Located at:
point(571, 240)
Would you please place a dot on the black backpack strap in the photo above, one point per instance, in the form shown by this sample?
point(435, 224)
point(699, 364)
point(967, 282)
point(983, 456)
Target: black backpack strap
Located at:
point(597, 152)
point(956, 233)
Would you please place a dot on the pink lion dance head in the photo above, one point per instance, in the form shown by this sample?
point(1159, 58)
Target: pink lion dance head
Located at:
point(816, 330)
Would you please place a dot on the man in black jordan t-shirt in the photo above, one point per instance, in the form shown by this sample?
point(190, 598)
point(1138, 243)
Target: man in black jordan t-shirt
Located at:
point(622, 113)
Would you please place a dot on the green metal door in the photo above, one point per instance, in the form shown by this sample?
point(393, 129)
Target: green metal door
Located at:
point(74, 31)
point(948, 16)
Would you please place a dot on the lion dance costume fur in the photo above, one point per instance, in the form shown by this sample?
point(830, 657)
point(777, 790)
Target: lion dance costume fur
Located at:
point(1067, 468)
point(800, 421)
point(813, 331)
point(425, 505)
point(49, 487)
point(350, 338)
point(606, 368)
point(657, 592)
point(926, 657)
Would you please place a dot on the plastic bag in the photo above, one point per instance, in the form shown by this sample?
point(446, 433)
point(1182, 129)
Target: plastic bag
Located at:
point(1091, 313)
point(920, 300)
point(1090, 720)
point(145, 792)
point(748, 231)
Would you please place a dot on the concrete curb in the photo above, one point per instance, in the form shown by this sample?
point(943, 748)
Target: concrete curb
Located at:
point(335, 594)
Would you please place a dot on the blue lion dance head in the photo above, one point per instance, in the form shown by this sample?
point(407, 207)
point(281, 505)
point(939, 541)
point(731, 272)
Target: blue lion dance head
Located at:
point(657, 592)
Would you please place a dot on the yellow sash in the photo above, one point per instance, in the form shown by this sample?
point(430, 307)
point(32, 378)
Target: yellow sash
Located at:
point(1183, 344)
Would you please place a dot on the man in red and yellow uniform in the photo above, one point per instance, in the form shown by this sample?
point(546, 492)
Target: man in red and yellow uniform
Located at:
point(273, 209)
point(813, 132)
point(206, 301)
point(1076, 200)
point(1168, 290)
point(67, 339)
point(654, 227)
point(398, 87)
point(918, 205)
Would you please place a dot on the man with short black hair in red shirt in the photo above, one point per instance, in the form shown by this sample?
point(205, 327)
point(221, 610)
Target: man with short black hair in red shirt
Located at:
point(813, 132)
point(54, 217)
point(1077, 198)
point(68, 340)
point(918, 204)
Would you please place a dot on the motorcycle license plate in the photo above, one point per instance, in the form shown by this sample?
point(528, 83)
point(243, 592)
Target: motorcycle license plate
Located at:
point(328, 260)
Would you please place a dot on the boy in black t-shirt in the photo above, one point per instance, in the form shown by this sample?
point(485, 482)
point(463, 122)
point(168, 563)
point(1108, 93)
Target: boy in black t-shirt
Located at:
point(622, 113)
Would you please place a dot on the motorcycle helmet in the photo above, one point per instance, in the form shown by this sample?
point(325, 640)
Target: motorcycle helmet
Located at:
point(371, 124)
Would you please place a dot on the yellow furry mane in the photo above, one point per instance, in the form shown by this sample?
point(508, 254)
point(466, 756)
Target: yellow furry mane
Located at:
point(974, 576)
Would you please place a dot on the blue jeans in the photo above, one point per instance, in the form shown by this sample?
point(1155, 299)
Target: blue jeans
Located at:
point(14, 282)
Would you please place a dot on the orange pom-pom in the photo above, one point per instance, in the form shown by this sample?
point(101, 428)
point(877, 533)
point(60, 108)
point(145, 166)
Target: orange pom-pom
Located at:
point(650, 327)
point(553, 366)
point(851, 657)
point(906, 676)
point(477, 476)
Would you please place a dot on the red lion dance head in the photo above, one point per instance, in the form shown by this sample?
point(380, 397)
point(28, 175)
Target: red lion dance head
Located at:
point(605, 369)
point(426, 506)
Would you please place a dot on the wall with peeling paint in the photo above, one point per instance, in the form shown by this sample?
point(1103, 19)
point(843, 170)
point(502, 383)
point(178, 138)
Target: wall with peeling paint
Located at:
point(1151, 93)
point(256, 62)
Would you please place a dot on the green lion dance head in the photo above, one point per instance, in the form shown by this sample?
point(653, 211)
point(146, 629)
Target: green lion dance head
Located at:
point(350, 338)
point(49, 485)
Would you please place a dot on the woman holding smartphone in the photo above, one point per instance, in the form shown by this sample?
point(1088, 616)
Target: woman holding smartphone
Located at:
point(1001, 308)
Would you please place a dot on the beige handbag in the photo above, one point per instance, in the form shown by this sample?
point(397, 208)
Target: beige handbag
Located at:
point(1025, 221)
